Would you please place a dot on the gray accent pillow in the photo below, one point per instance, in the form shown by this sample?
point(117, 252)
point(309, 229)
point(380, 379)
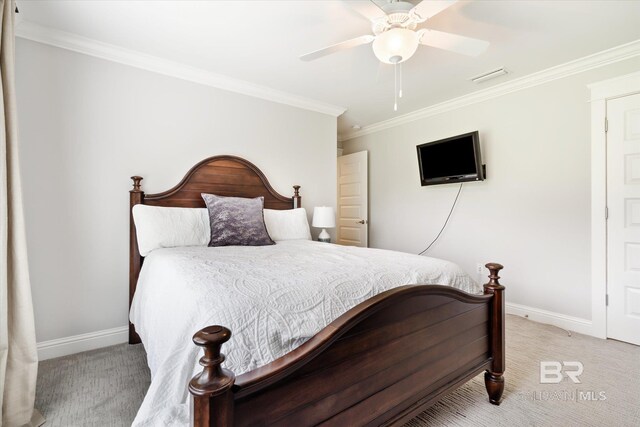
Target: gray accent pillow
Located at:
point(236, 221)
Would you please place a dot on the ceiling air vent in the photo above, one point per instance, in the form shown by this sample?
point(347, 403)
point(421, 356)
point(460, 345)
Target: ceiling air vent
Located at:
point(489, 75)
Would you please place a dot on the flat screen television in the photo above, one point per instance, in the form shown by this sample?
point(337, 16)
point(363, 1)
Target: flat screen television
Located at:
point(449, 160)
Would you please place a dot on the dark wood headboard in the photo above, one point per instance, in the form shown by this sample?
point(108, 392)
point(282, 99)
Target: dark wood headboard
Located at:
point(221, 175)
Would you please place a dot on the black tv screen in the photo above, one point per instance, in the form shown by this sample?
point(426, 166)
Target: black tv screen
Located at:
point(455, 159)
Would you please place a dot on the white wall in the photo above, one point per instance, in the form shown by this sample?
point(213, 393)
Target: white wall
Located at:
point(87, 125)
point(532, 214)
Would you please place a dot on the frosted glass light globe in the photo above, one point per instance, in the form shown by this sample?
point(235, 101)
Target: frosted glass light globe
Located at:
point(395, 45)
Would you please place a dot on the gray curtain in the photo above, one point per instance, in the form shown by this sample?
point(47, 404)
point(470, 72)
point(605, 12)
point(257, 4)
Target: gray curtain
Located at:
point(18, 356)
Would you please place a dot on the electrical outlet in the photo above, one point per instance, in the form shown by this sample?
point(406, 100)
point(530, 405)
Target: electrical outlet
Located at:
point(480, 272)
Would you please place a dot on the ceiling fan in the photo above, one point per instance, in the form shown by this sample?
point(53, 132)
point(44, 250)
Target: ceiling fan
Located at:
point(395, 35)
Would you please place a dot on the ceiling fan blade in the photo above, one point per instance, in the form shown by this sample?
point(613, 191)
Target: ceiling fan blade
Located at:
point(337, 47)
point(428, 8)
point(453, 42)
point(367, 9)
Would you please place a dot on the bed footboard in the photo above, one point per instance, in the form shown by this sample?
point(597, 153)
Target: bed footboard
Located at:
point(381, 363)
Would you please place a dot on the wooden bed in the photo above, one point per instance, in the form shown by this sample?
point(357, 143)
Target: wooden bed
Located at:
point(380, 363)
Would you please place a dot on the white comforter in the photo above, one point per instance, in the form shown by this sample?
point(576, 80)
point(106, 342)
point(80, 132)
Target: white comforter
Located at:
point(272, 298)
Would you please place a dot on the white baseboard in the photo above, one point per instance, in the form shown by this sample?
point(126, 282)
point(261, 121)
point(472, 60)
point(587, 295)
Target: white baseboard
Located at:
point(570, 323)
point(84, 342)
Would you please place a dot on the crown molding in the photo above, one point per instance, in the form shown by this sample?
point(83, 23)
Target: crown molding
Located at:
point(600, 59)
point(76, 43)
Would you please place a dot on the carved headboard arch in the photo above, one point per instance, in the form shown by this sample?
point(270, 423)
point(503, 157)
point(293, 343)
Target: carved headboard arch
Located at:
point(222, 175)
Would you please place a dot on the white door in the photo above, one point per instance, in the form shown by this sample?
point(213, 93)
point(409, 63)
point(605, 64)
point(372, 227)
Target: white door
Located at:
point(353, 218)
point(623, 224)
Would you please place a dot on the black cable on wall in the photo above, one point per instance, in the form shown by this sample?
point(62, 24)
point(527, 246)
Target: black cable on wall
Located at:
point(445, 222)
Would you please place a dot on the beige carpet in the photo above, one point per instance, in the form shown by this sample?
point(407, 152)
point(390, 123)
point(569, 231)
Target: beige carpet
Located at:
point(102, 387)
point(105, 387)
point(610, 367)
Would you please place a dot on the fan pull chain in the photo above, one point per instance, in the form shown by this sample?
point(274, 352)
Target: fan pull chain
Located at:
point(400, 91)
point(395, 87)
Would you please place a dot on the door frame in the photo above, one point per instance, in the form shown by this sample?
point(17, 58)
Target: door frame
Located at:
point(601, 92)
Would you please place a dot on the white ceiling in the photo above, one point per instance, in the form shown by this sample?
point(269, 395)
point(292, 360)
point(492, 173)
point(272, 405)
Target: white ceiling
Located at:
point(260, 41)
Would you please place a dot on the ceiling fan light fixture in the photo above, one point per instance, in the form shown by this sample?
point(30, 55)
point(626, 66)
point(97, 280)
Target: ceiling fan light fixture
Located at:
point(395, 45)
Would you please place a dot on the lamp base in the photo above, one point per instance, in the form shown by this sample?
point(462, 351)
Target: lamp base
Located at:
point(324, 236)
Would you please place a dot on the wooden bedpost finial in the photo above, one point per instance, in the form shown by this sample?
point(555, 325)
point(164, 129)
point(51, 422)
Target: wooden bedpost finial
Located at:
point(213, 380)
point(297, 199)
point(494, 269)
point(211, 388)
point(136, 184)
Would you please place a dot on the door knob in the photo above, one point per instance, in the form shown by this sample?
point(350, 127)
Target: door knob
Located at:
point(362, 221)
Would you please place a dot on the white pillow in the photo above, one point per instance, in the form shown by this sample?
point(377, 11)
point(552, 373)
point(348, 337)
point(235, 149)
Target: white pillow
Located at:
point(160, 227)
point(289, 224)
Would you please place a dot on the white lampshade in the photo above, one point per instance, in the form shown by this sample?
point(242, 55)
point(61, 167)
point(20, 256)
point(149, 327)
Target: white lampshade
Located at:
point(323, 217)
point(395, 45)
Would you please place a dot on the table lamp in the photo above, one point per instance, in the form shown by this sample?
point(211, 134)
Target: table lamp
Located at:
point(323, 217)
